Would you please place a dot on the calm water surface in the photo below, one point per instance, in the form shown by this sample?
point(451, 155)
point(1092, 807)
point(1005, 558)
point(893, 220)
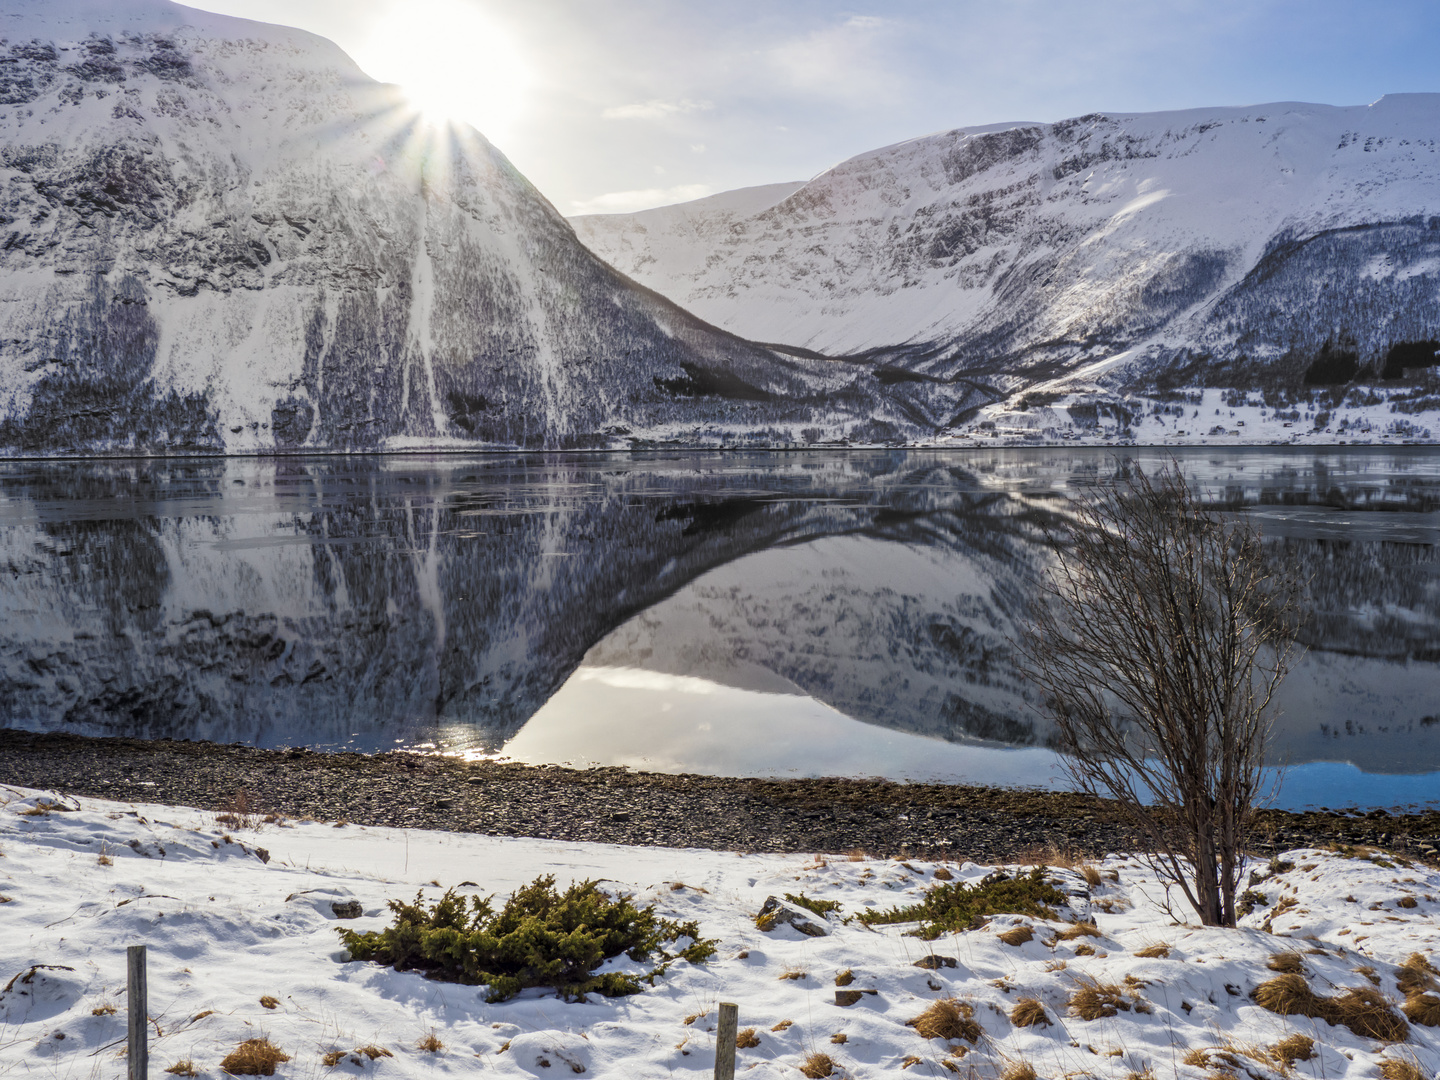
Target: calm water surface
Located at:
point(737, 613)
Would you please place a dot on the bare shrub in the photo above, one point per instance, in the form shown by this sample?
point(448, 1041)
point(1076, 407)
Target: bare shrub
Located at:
point(254, 1057)
point(1162, 636)
point(1029, 1012)
point(817, 1065)
point(947, 1019)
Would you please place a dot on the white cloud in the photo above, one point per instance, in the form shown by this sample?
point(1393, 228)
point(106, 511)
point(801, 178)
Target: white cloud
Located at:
point(627, 202)
point(847, 62)
point(653, 110)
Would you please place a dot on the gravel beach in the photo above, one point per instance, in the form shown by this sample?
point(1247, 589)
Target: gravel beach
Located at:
point(618, 806)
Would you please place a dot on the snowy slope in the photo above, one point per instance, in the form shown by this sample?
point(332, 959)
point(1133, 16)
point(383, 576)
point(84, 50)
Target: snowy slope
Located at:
point(1221, 247)
point(220, 234)
point(225, 930)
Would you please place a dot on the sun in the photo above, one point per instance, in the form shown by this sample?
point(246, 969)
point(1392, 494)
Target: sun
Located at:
point(454, 63)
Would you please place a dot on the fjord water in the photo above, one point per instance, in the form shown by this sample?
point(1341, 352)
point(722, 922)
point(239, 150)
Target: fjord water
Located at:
point(741, 613)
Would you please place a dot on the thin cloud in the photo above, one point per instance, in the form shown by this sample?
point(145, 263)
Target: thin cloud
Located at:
point(627, 202)
point(847, 62)
point(653, 110)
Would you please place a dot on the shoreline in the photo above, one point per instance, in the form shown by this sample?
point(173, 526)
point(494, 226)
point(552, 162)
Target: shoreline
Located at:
point(613, 805)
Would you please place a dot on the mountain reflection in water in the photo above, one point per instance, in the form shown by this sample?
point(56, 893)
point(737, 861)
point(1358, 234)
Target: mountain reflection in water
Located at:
point(847, 609)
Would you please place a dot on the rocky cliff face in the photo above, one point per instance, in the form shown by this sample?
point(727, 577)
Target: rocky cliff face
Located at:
point(220, 235)
point(1286, 245)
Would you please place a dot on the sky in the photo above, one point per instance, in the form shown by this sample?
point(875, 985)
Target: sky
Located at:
point(617, 105)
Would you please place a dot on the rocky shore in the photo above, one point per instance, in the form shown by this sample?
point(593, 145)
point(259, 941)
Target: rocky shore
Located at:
point(617, 806)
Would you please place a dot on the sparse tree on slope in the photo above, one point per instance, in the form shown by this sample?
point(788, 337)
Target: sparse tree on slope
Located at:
point(1160, 640)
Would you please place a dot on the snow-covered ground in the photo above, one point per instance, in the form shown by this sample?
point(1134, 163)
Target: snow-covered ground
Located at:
point(225, 929)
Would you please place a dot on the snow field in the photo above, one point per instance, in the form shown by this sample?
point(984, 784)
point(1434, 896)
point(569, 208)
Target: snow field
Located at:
point(226, 930)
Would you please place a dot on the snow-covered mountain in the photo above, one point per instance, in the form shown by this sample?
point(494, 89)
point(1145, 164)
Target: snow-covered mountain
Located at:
point(1277, 247)
point(220, 234)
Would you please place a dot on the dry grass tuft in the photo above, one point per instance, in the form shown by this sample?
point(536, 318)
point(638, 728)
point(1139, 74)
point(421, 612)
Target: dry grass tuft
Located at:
point(104, 858)
point(1400, 1069)
point(1158, 951)
point(1407, 902)
point(103, 1010)
point(1416, 975)
point(1056, 965)
point(1362, 1009)
point(1091, 875)
point(856, 855)
point(1288, 963)
point(1293, 1048)
point(372, 1051)
point(270, 1002)
point(795, 973)
point(1019, 1070)
point(845, 978)
point(692, 1018)
point(1078, 930)
point(183, 1068)
point(254, 1057)
point(911, 1060)
point(1199, 1057)
point(430, 1043)
point(1422, 1009)
point(942, 874)
point(1017, 935)
point(331, 1058)
point(947, 1018)
point(1084, 950)
point(840, 1038)
point(1369, 973)
point(817, 1065)
point(747, 1039)
point(783, 1025)
point(1029, 1012)
point(1094, 1000)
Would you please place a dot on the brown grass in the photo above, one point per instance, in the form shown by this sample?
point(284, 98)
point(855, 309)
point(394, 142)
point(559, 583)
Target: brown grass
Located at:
point(103, 1010)
point(254, 1057)
point(1288, 963)
point(430, 1043)
point(1369, 973)
point(1363, 1009)
point(1199, 1057)
point(942, 874)
point(911, 1060)
point(104, 858)
point(783, 1025)
point(1094, 1000)
point(1158, 951)
point(1084, 950)
point(183, 1068)
point(1019, 1070)
point(1078, 930)
point(839, 1038)
point(856, 855)
point(372, 1051)
point(947, 1018)
point(1293, 1048)
point(331, 1058)
point(1416, 975)
point(817, 1065)
point(845, 978)
point(1407, 902)
point(692, 1018)
point(1422, 1009)
point(747, 1039)
point(794, 973)
point(1400, 1069)
point(239, 811)
point(1029, 1012)
point(270, 1002)
point(1091, 875)
point(1017, 935)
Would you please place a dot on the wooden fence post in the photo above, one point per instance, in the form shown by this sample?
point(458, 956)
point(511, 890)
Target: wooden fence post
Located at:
point(725, 1041)
point(138, 1034)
